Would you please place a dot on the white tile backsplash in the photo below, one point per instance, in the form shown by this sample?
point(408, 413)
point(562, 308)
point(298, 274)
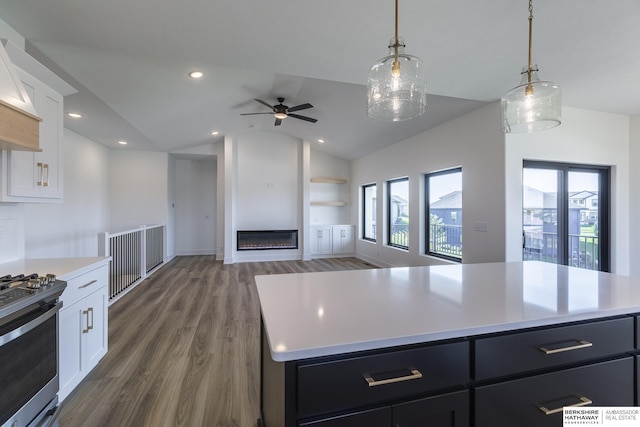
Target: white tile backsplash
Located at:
point(12, 241)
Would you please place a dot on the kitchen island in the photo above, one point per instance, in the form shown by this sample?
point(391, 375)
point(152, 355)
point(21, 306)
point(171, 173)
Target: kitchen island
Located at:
point(475, 344)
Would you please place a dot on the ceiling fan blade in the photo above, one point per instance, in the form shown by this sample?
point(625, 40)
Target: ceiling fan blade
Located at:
point(297, 116)
point(264, 103)
point(300, 107)
point(251, 114)
point(278, 122)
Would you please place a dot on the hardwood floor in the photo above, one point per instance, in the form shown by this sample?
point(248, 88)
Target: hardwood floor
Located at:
point(184, 348)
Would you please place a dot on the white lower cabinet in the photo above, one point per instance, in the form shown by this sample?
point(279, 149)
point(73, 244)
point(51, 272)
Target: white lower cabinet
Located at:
point(83, 336)
point(321, 239)
point(343, 239)
point(332, 239)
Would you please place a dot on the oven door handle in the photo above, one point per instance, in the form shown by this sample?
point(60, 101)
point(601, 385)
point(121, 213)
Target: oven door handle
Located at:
point(52, 417)
point(46, 315)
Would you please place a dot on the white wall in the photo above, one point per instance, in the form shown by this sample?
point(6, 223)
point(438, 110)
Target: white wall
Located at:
point(586, 137)
point(195, 206)
point(265, 173)
point(138, 182)
point(473, 141)
point(634, 196)
point(326, 166)
point(71, 229)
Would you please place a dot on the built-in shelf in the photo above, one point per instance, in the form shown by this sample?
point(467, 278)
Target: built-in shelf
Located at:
point(328, 180)
point(328, 203)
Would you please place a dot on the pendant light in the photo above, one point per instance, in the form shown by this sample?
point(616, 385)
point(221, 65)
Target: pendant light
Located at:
point(533, 105)
point(397, 85)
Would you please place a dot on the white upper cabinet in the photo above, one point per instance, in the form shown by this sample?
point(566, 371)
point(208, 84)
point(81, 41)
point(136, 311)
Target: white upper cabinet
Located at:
point(37, 176)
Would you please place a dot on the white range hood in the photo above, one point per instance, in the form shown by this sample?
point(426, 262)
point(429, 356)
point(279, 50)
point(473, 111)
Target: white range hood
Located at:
point(19, 121)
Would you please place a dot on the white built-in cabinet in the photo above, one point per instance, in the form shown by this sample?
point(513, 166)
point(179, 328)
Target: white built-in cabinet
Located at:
point(83, 327)
point(332, 240)
point(321, 240)
point(28, 176)
point(343, 239)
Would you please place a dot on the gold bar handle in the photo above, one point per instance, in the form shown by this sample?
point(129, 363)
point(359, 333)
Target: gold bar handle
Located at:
point(581, 344)
point(45, 179)
point(89, 327)
point(86, 313)
point(41, 167)
point(583, 401)
point(415, 374)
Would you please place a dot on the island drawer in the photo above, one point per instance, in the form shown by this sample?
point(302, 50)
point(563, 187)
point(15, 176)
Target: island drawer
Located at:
point(537, 401)
point(336, 385)
point(547, 348)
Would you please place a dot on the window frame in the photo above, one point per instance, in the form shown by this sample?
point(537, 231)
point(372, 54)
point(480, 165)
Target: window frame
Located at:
point(604, 206)
point(364, 211)
point(427, 219)
point(389, 225)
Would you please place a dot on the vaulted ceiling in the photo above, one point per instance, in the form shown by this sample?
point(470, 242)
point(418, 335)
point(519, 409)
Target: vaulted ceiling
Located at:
point(129, 60)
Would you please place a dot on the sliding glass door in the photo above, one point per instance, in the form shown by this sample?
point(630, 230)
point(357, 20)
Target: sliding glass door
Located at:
point(565, 214)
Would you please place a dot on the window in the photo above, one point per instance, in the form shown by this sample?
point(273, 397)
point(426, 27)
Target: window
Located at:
point(444, 214)
point(565, 210)
point(398, 213)
point(369, 205)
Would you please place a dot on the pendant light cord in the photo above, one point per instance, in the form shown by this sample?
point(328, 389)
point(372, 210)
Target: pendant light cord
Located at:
point(530, 37)
point(395, 46)
point(395, 69)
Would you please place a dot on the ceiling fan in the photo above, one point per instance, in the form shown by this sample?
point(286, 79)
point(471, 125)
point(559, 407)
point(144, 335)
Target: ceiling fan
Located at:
point(281, 111)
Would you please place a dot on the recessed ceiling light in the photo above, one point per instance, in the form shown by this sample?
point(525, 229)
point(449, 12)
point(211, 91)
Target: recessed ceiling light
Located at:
point(196, 74)
point(122, 142)
point(74, 115)
point(215, 132)
point(321, 141)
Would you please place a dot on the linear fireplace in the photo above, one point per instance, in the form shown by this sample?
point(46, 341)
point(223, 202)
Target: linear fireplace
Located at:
point(267, 239)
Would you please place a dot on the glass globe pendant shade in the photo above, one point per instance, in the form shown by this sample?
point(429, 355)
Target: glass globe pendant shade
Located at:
point(531, 106)
point(397, 85)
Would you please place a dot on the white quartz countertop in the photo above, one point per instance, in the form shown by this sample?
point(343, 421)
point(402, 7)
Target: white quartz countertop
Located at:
point(316, 314)
point(63, 268)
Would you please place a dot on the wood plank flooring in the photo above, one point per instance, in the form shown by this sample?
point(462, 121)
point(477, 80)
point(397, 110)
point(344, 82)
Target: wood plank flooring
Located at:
point(184, 348)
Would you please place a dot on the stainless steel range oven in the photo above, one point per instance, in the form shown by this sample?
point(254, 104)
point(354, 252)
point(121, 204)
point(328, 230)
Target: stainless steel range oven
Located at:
point(29, 350)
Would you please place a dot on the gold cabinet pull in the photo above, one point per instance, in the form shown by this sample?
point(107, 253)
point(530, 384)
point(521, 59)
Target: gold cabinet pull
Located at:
point(90, 326)
point(41, 167)
point(581, 344)
point(86, 313)
point(582, 401)
point(415, 374)
point(45, 174)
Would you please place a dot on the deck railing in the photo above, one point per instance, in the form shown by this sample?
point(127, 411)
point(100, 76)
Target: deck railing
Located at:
point(446, 239)
point(134, 255)
point(543, 246)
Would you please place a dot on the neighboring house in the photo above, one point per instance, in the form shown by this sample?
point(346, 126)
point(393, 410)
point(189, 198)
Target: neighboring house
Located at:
point(449, 232)
point(399, 208)
point(587, 202)
point(448, 208)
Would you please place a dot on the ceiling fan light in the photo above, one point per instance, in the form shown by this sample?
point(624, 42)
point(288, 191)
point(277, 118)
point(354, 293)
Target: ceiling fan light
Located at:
point(280, 116)
point(531, 106)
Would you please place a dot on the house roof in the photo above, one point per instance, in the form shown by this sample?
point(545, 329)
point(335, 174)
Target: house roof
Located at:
point(451, 200)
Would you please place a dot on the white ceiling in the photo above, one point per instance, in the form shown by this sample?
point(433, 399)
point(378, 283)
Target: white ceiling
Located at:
point(129, 60)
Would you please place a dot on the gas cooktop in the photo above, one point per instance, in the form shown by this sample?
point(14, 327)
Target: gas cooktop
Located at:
point(17, 292)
